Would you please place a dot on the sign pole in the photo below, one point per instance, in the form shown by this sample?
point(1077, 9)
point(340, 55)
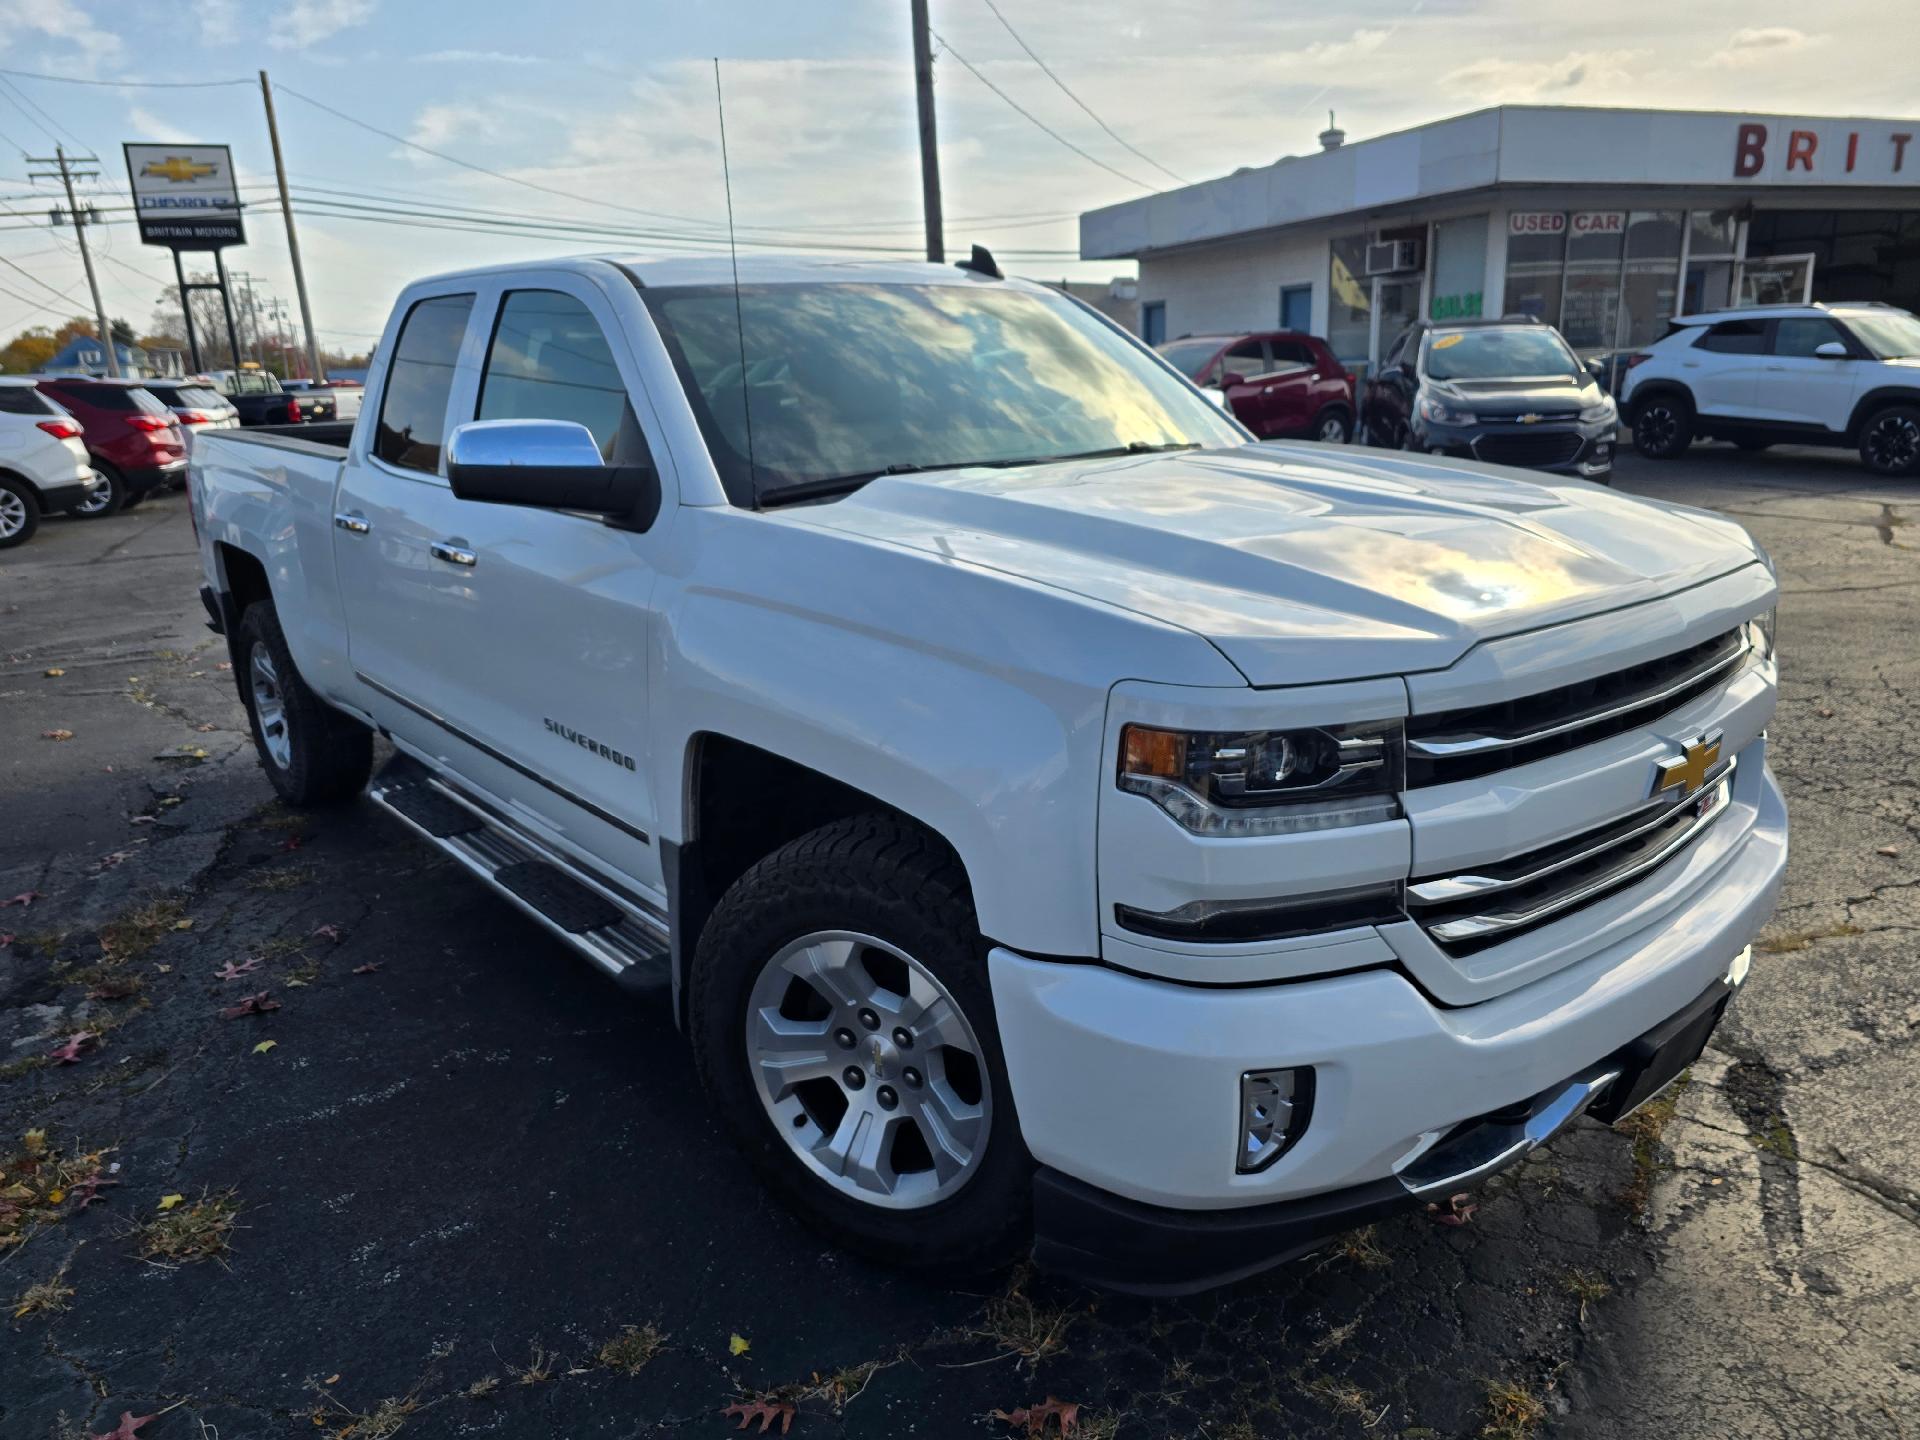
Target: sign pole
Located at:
point(226, 304)
point(293, 239)
point(186, 312)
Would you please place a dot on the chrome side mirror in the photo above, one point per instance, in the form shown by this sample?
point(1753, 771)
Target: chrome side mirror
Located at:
point(551, 465)
point(1832, 350)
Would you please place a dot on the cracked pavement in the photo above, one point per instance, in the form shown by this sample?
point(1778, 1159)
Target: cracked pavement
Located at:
point(478, 1152)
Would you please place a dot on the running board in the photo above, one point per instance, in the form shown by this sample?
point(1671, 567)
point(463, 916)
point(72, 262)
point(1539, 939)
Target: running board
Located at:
point(619, 934)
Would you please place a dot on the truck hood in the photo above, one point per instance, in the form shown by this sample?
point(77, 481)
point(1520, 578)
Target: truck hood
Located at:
point(1305, 563)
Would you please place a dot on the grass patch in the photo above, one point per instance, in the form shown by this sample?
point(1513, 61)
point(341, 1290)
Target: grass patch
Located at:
point(22, 1065)
point(41, 942)
point(483, 1388)
point(1342, 1397)
point(539, 1367)
point(1019, 1325)
point(1587, 1286)
point(39, 1187)
point(1513, 1411)
point(387, 1418)
point(294, 877)
point(1794, 940)
point(1363, 1249)
point(633, 1349)
point(129, 936)
point(48, 1297)
point(1644, 1128)
point(186, 1233)
point(1777, 1139)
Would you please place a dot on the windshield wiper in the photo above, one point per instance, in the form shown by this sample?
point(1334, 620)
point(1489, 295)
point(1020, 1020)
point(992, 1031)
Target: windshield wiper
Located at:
point(845, 484)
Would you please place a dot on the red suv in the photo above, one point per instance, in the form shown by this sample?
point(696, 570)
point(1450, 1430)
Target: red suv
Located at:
point(133, 440)
point(1278, 382)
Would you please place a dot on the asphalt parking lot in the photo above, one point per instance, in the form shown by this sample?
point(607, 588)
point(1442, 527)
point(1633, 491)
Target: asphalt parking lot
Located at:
point(445, 1180)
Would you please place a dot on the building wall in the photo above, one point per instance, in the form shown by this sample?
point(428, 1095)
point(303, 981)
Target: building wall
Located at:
point(1235, 287)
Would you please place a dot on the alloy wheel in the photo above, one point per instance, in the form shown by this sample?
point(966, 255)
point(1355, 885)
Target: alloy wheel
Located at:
point(1893, 443)
point(1333, 430)
point(13, 514)
point(1656, 427)
point(869, 1070)
point(269, 706)
point(97, 501)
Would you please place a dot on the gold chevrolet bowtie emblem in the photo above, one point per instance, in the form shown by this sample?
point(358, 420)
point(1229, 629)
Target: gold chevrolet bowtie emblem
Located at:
point(177, 168)
point(1689, 772)
point(1531, 419)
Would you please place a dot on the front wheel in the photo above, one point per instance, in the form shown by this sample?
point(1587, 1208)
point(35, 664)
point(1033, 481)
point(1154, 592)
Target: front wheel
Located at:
point(312, 753)
point(1890, 441)
point(843, 1028)
point(1662, 427)
point(19, 513)
point(1332, 428)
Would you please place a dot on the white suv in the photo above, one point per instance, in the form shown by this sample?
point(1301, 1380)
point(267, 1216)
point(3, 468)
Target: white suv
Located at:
point(43, 462)
point(1840, 374)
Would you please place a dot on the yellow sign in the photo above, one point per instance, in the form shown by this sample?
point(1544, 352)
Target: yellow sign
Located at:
point(1445, 340)
point(177, 168)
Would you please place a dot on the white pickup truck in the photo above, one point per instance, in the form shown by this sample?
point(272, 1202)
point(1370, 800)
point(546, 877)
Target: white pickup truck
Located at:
point(1055, 818)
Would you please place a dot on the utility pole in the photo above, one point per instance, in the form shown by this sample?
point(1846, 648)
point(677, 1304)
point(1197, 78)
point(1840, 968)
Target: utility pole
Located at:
point(293, 239)
point(80, 222)
point(929, 146)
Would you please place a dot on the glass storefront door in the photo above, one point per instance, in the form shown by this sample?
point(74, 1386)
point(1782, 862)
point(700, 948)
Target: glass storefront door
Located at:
point(1396, 305)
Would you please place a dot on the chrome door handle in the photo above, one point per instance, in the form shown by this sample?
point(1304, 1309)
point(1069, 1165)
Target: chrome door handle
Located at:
point(453, 552)
point(352, 521)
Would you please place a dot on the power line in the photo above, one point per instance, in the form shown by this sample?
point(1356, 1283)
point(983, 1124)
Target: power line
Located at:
point(947, 46)
point(1048, 72)
point(124, 84)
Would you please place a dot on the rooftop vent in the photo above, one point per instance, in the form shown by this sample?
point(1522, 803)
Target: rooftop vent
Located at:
point(1333, 137)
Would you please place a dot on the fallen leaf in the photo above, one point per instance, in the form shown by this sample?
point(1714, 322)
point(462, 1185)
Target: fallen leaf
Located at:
point(140, 819)
point(292, 842)
point(738, 1344)
point(34, 1141)
point(167, 1202)
point(765, 1411)
point(224, 665)
point(332, 932)
point(206, 729)
point(6, 939)
point(56, 734)
point(1824, 712)
point(373, 965)
point(1888, 850)
point(1035, 1417)
point(87, 1190)
point(164, 969)
point(129, 1423)
point(69, 1053)
point(1716, 1181)
point(294, 982)
point(333, 1380)
point(186, 924)
point(23, 899)
point(264, 1046)
point(231, 971)
point(54, 674)
point(1459, 1211)
point(253, 1005)
point(54, 1197)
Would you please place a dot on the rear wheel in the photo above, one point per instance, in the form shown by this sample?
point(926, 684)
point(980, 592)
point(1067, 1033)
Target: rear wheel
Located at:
point(843, 1029)
point(109, 497)
point(1890, 441)
point(1332, 427)
point(19, 513)
point(1662, 426)
point(311, 752)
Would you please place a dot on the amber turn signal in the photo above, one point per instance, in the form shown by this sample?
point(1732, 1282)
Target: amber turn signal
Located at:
point(1146, 751)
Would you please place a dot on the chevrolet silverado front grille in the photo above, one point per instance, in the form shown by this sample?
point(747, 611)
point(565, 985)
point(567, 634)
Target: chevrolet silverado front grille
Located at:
point(1462, 744)
point(1469, 911)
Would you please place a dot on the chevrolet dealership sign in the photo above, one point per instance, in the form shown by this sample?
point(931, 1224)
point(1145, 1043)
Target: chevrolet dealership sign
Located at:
point(185, 196)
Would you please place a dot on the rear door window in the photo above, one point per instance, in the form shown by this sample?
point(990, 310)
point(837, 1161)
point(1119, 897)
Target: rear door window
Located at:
point(413, 411)
point(1734, 337)
point(549, 360)
point(24, 400)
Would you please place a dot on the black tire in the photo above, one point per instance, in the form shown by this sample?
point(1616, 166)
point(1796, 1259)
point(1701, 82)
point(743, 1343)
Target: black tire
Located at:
point(879, 876)
point(328, 755)
point(1890, 441)
point(1662, 425)
point(1753, 447)
point(1332, 426)
point(19, 512)
point(116, 494)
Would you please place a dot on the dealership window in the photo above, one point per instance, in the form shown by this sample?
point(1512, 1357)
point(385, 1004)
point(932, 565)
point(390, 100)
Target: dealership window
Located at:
point(1650, 284)
point(1349, 299)
point(1536, 256)
point(1590, 304)
point(1459, 267)
point(1713, 249)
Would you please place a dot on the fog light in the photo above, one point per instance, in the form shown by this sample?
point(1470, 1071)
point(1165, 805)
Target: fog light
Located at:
point(1274, 1108)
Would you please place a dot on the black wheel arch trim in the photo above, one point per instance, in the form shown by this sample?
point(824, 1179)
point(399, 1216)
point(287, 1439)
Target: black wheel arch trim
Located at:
point(1874, 401)
point(1655, 388)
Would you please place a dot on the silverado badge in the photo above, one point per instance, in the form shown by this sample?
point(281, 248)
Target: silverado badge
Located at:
point(1689, 771)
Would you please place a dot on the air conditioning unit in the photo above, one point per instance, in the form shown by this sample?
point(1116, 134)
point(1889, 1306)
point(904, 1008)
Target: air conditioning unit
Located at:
point(1393, 257)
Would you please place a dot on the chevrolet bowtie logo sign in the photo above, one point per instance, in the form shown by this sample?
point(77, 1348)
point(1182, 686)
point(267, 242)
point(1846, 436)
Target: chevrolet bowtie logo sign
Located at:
point(178, 169)
point(1531, 419)
point(1689, 772)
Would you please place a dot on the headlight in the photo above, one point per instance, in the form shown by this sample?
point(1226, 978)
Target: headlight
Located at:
point(1441, 413)
point(1605, 410)
point(1268, 782)
point(1760, 632)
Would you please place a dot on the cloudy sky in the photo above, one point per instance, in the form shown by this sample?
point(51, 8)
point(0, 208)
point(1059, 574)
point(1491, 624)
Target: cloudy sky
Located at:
point(611, 101)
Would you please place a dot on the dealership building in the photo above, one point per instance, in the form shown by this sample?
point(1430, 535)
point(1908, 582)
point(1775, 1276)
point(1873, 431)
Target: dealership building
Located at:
point(1603, 222)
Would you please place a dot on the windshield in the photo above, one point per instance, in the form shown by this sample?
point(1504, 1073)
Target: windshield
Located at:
point(1887, 333)
point(1500, 354)
point(846, 380)
point(1189, 357)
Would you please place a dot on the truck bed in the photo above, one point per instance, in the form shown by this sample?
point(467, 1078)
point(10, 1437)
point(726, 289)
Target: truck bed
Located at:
point(328, 437)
